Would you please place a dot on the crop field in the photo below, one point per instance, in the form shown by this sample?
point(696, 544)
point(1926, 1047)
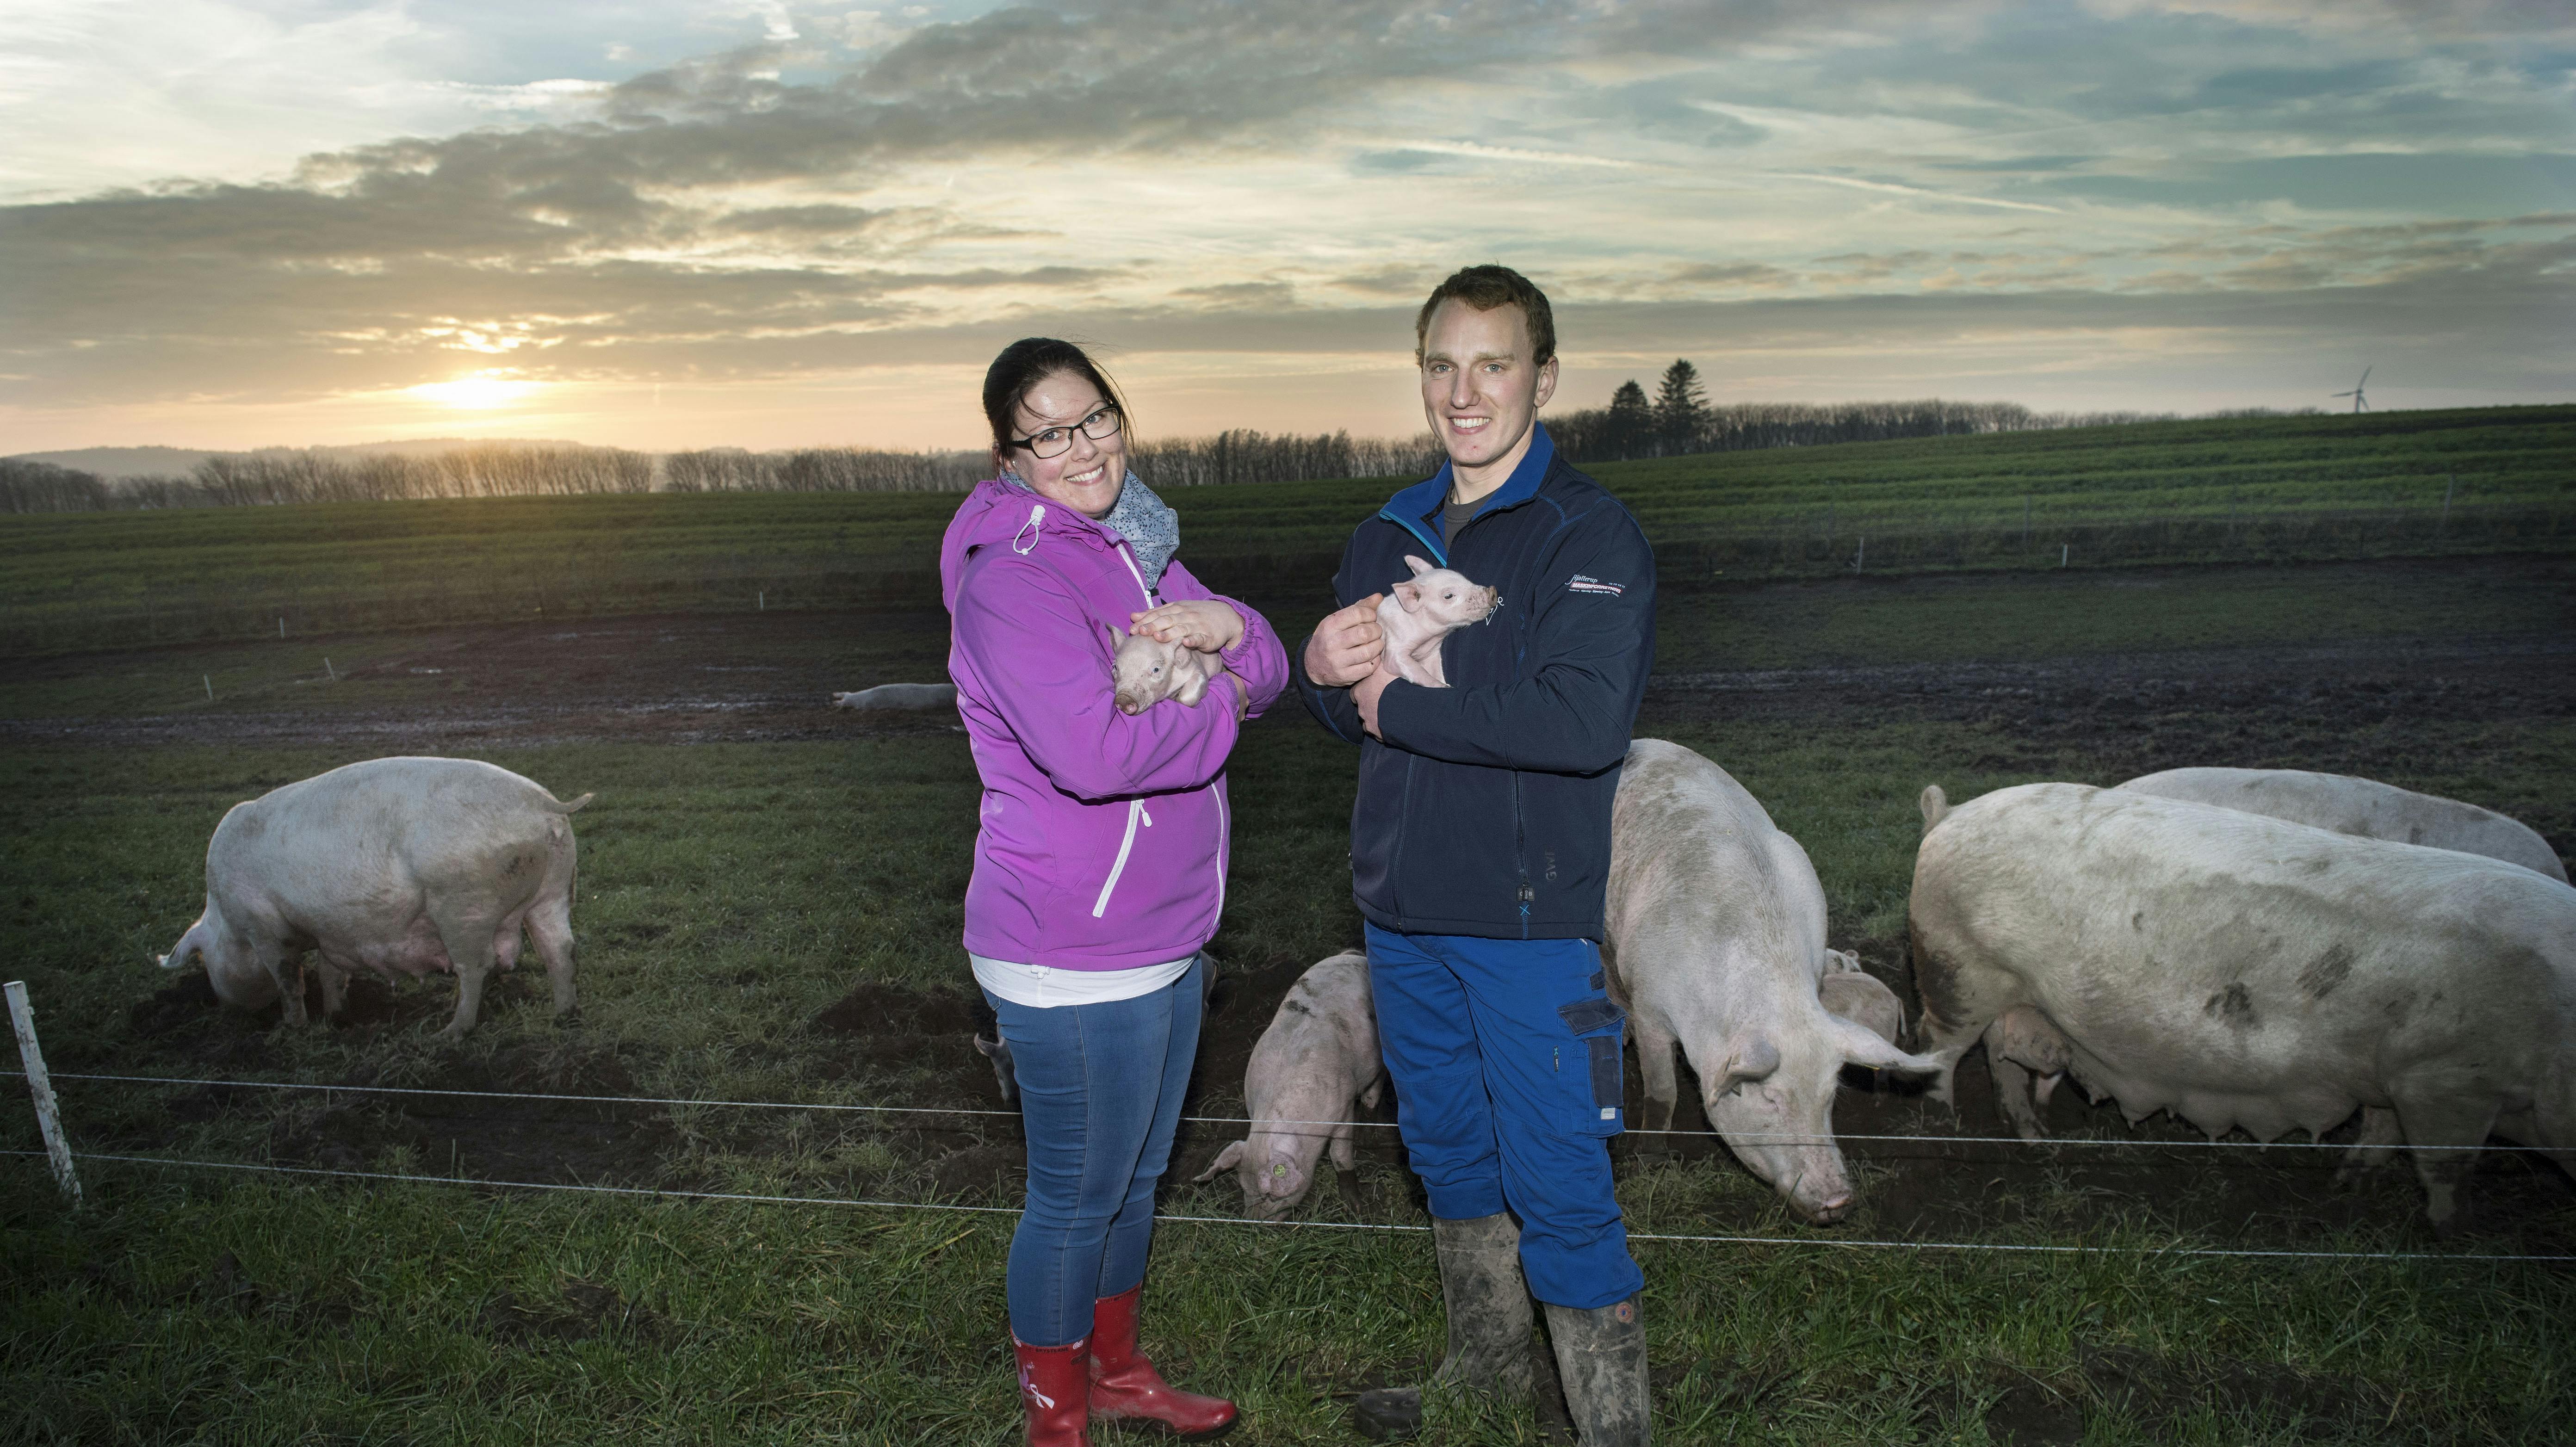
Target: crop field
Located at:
point(2239, 490)
point(768, 912)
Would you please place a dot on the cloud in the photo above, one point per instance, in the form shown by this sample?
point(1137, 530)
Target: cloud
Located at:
point(1204, 176)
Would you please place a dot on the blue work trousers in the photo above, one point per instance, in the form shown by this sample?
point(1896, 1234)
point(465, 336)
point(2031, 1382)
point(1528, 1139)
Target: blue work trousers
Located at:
point(1100, 1094)
point(1505, 1057)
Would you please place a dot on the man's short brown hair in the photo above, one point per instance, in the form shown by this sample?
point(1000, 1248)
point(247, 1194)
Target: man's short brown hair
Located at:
point(1485, 288)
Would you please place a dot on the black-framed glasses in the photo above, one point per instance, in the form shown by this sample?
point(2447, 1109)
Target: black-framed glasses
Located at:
point(1100, 426)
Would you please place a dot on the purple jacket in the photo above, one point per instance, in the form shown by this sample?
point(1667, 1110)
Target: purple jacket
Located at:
point(1103, 840)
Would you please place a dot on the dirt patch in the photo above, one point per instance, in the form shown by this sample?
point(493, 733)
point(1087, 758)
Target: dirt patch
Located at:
point(883, 1010)
point(685, 678)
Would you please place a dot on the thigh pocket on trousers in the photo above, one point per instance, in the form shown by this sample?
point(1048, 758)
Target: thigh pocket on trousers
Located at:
point(1596, 1024)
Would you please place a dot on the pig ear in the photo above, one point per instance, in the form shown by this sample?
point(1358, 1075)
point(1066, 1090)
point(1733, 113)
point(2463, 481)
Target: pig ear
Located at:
point(1751, 1059)
point(1225, 1161)
point(1418, 566)
point(1860, 1047)
point(1409, 595)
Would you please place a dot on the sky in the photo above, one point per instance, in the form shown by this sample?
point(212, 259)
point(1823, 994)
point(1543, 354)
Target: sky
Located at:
point(766, 225)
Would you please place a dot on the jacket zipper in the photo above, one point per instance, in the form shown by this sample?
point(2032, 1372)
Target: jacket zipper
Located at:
point(1520, 854)
point(1135, 811)
point(1135, 807)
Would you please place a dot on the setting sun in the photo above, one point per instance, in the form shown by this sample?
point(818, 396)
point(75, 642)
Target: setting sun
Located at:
point(474, 392)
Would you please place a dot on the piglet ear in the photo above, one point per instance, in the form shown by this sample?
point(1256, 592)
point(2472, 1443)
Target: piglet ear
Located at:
point(1409, 596)
point(1418, 566)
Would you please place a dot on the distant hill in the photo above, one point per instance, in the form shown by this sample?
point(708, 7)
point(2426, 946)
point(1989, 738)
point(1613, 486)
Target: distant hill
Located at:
point(115, 462)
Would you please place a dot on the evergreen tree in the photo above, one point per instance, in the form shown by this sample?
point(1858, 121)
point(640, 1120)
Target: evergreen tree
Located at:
point(1631, 423)
point(1680, 407)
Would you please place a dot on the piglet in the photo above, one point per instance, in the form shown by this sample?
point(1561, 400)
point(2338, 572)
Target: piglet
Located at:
point(1415, 615)
point(1319, 1053)
point(1146, 672)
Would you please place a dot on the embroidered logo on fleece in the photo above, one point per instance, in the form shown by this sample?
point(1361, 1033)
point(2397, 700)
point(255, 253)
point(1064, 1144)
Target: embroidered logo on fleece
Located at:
point(1585, 583)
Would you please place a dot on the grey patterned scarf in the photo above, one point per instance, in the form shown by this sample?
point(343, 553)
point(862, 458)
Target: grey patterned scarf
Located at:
point(1151, 528)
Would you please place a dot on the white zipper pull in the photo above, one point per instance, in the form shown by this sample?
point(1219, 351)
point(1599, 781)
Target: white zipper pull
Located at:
point(1029, 530)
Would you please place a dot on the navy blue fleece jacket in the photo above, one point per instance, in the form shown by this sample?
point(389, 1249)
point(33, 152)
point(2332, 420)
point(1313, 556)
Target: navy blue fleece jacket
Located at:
point(1485, 810)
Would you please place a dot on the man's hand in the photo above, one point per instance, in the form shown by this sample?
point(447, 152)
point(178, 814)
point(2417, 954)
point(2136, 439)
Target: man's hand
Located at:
point(1201, 624)
point(1364, 697)
point(1344, 647)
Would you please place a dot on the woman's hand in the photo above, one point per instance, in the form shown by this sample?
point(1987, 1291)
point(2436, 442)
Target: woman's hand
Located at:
point(1202, 624)
point(1240, 695)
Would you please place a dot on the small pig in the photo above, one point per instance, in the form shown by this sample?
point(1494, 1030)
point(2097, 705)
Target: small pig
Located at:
point(1416, 615)
point(899, 696)
point(1319, 1053)
point(2027, 1057)
point(1146, 672)
point(1858, 996)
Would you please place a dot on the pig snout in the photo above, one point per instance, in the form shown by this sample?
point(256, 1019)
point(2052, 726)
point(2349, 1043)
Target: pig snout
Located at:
point(1820, 1193)
point(1131, 704)
point(1487, 601)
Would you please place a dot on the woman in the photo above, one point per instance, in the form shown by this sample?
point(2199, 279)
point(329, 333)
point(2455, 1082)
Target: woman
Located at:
point(1099, 864)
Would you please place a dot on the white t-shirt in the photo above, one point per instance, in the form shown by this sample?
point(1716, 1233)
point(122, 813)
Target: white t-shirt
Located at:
point(1041, 988)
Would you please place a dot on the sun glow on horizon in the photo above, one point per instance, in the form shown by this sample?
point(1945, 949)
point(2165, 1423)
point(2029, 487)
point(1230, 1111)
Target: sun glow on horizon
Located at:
point(480, 392)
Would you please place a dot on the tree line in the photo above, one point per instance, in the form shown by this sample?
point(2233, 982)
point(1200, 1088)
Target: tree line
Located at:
point(289, 475)
point(1678, 420)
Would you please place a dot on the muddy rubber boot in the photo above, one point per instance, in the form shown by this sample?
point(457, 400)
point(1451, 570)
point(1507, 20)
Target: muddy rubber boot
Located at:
point(1489, 1326)
point(1488, 1305)
point(1601, 1359)
point(1125, 1386)
point(1055, 1391)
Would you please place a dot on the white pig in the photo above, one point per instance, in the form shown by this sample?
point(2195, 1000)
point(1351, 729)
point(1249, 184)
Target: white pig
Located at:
point(2249, 973)
point(1717, 943)
point(402, 865)
point(899, 696)
point(1318, 1055)
point(2363, 807)
point(1415, 615)
point(1146, 672)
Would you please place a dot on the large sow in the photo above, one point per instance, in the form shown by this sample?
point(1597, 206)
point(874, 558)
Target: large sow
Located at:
point(405, 865)
point(1717, 944)
point(2246, 972)
point(2365, 807)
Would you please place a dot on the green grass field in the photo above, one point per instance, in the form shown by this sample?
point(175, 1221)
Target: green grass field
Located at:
point(2234, 490)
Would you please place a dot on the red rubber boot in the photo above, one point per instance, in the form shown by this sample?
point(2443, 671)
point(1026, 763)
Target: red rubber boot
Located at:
point(1125, 1386)
point(1055, 1391)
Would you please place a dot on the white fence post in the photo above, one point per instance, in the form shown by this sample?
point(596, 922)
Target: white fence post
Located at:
point(22, 1019)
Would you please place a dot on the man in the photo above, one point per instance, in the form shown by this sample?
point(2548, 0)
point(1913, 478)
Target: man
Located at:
point(1480, 846)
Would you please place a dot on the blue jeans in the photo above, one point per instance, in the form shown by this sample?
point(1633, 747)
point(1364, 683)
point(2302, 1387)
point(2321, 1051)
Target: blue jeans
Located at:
point(1100, 1094)
point(1505, 1057)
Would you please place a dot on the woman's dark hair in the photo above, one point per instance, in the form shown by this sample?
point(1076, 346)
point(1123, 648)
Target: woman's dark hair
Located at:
point(1025, 363)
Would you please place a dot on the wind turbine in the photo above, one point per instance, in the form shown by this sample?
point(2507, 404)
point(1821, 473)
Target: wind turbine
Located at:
point(2360, 403)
